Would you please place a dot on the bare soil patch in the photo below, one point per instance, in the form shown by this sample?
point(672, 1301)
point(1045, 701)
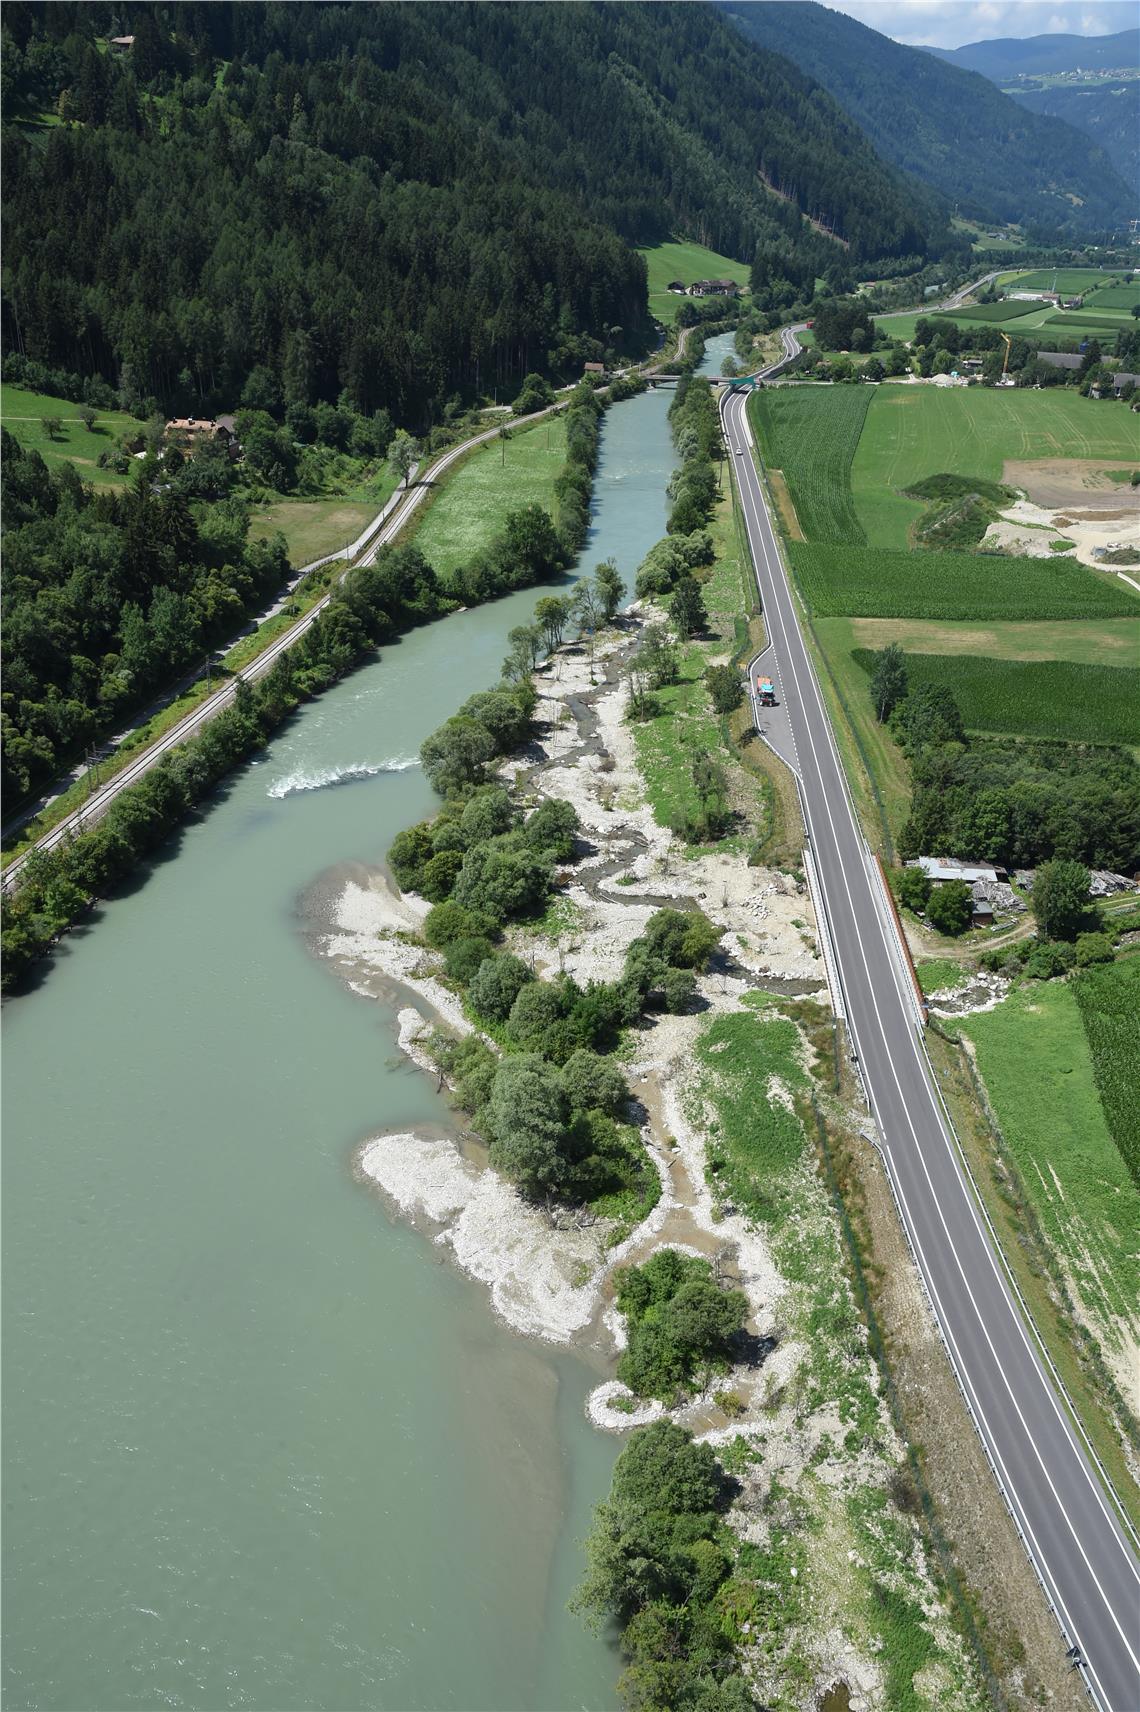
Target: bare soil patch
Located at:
point(1084, 482)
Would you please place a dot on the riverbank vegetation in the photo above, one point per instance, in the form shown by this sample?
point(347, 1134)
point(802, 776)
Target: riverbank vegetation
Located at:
point(371, 604)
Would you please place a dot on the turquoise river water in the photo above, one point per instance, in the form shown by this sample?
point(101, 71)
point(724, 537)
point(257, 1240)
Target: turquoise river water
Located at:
point(263, 1447)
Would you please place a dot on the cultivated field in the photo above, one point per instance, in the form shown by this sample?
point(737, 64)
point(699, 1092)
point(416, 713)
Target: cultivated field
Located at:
point(1033, 698)
point(23, 414)
point(993, 312)
point(1110, 642)
point(472, 506)
point(686, 262)
point(914, 432)
point(868, 582)
point(1109, 1001)
point(811, 434)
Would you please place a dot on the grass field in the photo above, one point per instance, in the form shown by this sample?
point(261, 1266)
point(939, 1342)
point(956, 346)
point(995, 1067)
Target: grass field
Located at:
point(811, 434)
point(1109, 642)
point(1070, 282)
point(868, 582)
point(914, 432)
point(686, 262)
point(1034, 1058)
point(1033, 698)
point(313, 527)
point(23, 415)
point(1115, 297)
point(472, 506)
point(1109, 1002)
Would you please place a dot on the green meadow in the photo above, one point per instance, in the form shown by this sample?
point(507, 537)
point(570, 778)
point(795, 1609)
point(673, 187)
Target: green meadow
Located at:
point(24, 415)
point(688, 263)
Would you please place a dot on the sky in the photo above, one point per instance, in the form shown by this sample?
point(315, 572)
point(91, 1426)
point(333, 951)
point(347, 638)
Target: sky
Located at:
point(951, 23)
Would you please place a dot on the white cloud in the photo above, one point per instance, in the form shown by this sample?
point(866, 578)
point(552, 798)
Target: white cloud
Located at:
point(950, 23)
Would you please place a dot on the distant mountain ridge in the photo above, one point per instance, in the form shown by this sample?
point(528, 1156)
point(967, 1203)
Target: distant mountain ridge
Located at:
point(1013, 56)
point(947, 126)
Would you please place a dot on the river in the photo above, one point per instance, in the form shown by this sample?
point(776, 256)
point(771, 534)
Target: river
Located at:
point(263, 1447)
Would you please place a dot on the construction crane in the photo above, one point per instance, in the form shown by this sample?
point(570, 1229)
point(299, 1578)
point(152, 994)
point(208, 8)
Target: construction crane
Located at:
point(1008, 348)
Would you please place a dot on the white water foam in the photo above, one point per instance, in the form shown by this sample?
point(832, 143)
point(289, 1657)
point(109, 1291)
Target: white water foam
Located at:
point(292, 783)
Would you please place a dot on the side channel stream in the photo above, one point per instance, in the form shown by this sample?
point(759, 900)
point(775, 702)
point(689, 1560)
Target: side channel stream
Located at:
point(263, 1447)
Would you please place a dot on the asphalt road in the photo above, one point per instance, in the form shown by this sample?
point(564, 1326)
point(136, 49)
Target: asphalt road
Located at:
point(1081, 1551)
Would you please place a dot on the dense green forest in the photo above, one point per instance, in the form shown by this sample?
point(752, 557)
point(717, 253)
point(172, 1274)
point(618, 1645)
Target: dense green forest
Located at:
point(396, 202)
point(948, 126)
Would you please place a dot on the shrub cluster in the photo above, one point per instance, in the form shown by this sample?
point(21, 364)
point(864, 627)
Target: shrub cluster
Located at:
point(673, 557)
point(681, 1324)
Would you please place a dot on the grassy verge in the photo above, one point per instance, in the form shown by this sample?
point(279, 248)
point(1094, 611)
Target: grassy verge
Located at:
point(686, 725)
point(1012, 1205)
point(940, 975)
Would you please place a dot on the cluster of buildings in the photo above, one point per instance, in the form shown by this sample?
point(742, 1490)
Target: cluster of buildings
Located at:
point(186, 432)
point(990, 891)
point(706, 288)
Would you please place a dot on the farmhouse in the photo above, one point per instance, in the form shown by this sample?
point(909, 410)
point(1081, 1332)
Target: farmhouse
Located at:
point(186, 431)
point(714, 288)
point(121, 44)
point(595, 369)
point(1060, 359)
point(677, 285)
point(1120, 381)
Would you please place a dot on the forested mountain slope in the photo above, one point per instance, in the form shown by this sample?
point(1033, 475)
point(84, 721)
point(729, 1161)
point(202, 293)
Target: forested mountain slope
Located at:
point(1108, 112)
point(949, 127)
point(402, 201)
